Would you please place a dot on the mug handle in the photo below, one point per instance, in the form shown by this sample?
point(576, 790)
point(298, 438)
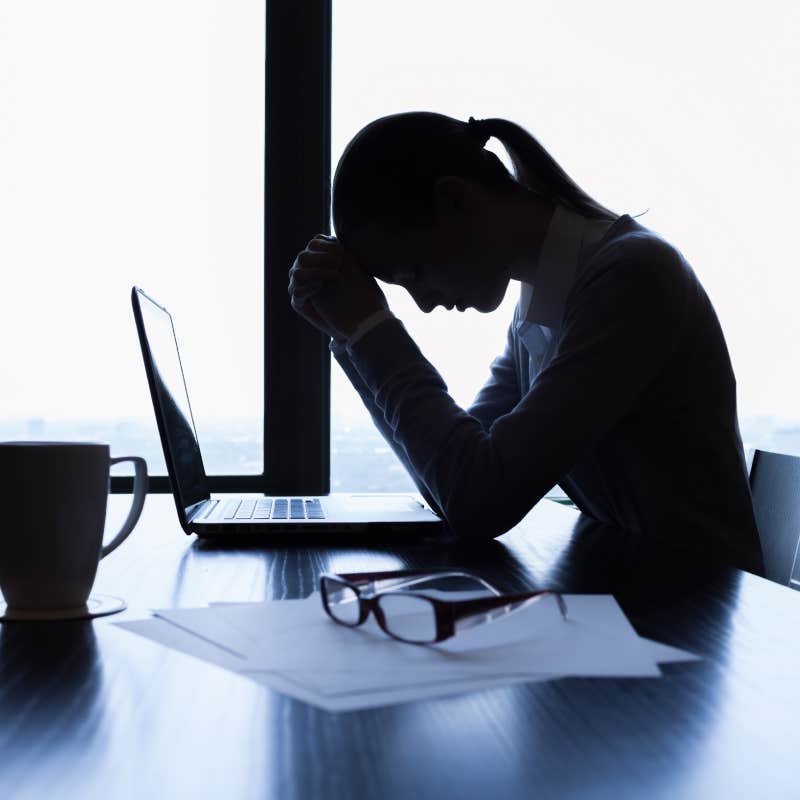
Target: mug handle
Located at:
point(140, 483)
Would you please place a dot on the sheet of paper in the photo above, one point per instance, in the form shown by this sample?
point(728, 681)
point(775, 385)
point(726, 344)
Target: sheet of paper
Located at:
point(291, 635)
point(660, 653)
point(252, 638)
point(214, 625)
point(343, 683)
point(163, 632)
point(532, 640)
point(361, 700)
point(667, 654)
point(179, 638)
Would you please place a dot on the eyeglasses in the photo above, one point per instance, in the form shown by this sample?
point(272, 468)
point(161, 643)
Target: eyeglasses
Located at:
point(414, 617)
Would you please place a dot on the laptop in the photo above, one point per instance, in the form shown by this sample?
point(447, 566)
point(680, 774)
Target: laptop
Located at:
point(199, 513)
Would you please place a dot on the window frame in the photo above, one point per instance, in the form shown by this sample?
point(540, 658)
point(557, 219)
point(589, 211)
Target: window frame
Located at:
point(297, 168)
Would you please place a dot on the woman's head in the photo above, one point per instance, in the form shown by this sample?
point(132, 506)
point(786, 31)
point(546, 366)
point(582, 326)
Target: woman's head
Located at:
point(416, 197)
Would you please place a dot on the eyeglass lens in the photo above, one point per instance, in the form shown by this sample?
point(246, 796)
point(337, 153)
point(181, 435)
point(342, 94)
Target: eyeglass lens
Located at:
point(342, 600)
point(409, 617)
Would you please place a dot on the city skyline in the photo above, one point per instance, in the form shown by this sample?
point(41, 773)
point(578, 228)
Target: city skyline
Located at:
point(361, 460)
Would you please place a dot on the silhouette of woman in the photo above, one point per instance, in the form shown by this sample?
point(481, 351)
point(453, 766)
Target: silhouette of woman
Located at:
point(615, 382)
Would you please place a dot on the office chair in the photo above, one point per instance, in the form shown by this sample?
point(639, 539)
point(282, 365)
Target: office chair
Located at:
point(775, 485)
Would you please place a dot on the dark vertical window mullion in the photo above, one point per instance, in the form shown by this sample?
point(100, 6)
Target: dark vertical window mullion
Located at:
point(296, 206)
point(297, 191)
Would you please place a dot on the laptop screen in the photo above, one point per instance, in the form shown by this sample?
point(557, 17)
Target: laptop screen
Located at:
point(170, 401)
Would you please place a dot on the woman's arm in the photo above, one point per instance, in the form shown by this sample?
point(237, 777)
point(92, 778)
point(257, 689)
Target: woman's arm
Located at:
point(619, 330)
point(501, 392)
point(498, 396)
point(342, 357)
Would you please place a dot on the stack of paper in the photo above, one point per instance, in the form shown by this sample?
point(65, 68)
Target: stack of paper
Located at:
point(293, 647)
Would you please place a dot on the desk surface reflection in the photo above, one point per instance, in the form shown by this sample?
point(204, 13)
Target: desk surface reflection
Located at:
point(89, 711)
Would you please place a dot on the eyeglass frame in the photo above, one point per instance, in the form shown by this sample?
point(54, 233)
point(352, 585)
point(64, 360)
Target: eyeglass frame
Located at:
point(446, 612)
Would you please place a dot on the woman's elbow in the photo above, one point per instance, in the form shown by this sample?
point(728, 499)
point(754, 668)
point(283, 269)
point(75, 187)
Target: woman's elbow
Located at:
point(477, 526)
point(484, 516)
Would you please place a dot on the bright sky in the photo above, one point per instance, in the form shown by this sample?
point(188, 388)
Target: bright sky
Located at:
point(691, 110)
point(131, 152)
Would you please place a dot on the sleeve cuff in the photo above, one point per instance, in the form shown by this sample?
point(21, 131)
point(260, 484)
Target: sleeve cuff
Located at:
point(341, 347)
point(372, 321)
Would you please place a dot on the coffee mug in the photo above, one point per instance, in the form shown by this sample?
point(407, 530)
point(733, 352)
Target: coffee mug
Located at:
point(53, 497)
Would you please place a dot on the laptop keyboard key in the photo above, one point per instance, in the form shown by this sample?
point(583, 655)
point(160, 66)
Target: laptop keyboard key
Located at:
point(230, 509)
point(298, 511)
point(262, 509)
point(314, 509)
point(246, 509)
point(281, 508)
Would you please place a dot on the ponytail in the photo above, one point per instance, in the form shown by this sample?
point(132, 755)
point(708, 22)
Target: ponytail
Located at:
point(536, 169)
point(389, 169)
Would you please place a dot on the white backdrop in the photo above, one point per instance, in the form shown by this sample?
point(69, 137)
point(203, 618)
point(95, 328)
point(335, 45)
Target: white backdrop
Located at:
point(690, 110)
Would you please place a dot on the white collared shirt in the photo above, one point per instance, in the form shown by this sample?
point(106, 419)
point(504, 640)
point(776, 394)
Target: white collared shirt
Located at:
point(570, 237)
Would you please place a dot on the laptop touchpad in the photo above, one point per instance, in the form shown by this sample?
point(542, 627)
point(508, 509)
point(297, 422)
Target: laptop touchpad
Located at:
point(392, 503)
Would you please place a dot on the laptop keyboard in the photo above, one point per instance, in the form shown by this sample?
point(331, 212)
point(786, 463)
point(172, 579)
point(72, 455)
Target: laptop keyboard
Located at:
point(277, 508)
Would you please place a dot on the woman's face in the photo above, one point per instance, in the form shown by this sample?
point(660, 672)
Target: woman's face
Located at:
point(441, 265)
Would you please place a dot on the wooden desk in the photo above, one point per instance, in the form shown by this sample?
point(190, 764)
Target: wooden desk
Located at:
point(90, 711)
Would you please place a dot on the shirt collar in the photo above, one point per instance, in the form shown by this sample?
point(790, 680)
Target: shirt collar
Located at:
point(542, 299)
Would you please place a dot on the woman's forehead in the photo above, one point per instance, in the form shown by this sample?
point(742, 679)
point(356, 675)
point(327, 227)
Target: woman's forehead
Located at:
point(371, 237)
point(380, 251)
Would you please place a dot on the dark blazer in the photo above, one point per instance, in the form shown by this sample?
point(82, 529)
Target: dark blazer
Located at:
point(630, 407)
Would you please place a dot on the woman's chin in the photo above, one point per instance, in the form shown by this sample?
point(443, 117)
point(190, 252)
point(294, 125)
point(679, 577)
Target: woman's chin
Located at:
point(488, 304)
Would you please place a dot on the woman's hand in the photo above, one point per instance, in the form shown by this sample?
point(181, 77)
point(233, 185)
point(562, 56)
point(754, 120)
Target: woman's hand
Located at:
point(319, 264)
point(330, 291)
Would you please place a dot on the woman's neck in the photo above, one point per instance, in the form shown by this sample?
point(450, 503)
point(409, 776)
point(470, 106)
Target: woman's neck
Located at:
point(524, 225)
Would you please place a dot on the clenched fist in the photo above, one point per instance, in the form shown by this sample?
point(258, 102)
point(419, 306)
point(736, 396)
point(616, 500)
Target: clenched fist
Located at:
point(330, 291)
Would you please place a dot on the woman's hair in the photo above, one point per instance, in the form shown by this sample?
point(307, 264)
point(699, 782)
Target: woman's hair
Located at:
point(388, 171)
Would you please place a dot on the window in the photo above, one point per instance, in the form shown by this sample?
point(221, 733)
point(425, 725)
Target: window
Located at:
point(685, 111)
point(132, 152)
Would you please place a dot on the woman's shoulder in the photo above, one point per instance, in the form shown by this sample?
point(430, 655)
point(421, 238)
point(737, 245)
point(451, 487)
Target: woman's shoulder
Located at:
point(635, 268)
point(635, 252)
point(628, 237)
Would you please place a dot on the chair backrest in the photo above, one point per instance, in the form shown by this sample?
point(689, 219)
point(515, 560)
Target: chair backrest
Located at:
point(775, 484)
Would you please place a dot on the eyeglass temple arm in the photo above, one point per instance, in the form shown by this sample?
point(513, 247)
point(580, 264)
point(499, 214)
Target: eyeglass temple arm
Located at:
point(399, 578)
point(470, 613)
